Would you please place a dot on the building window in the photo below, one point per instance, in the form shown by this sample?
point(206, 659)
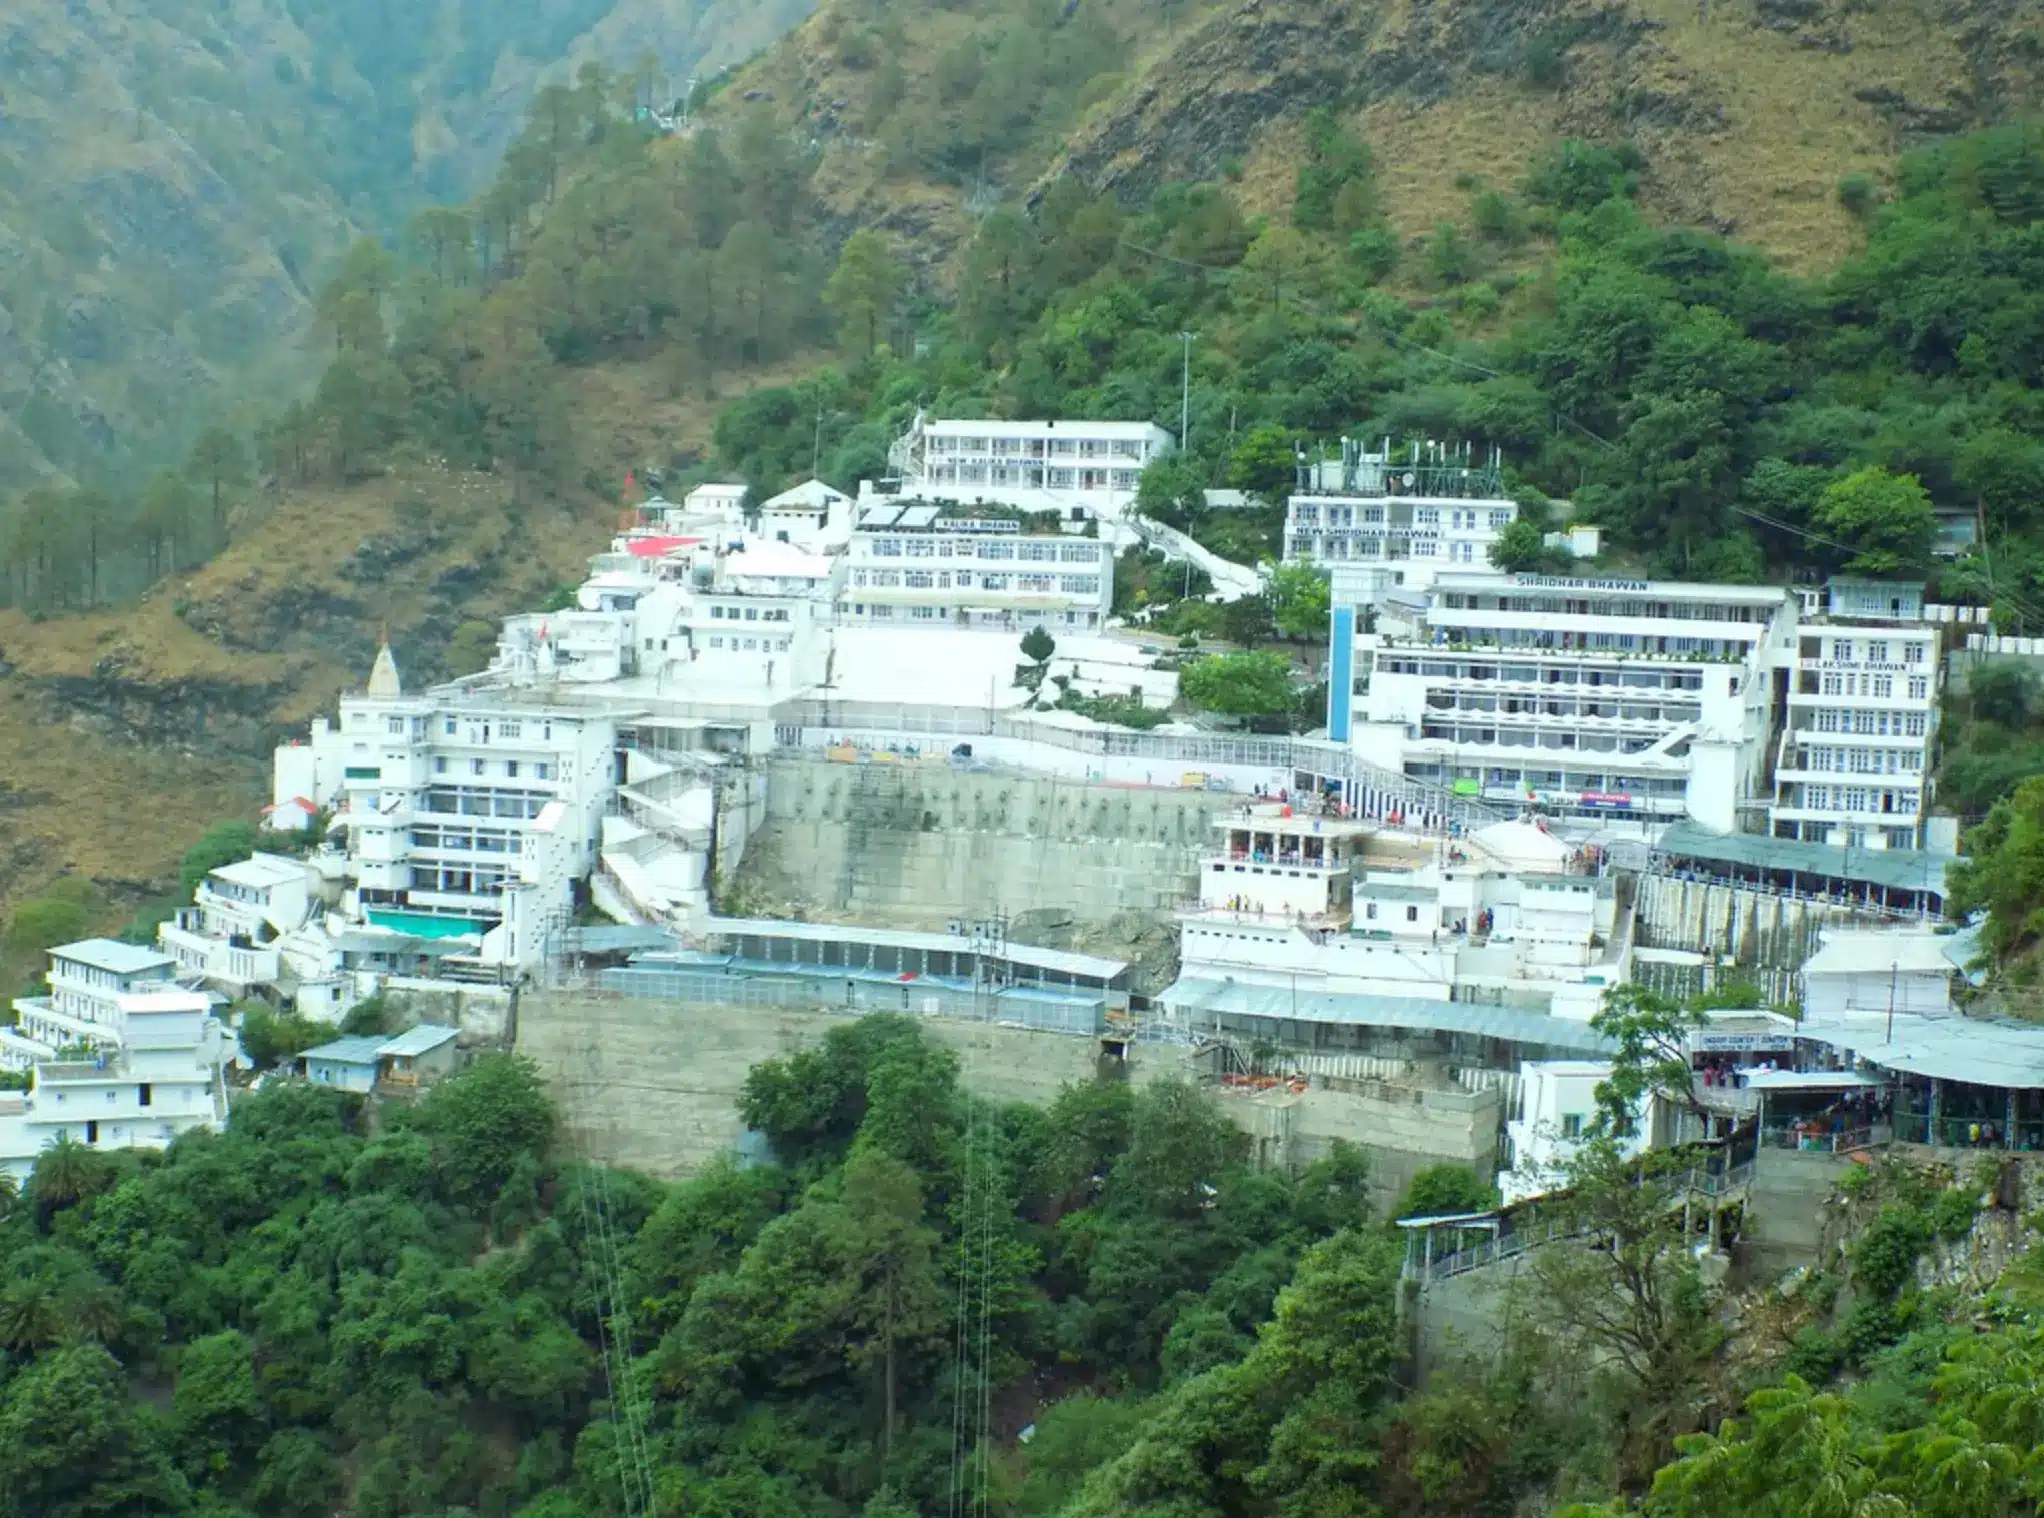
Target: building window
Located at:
point(1877, 653)
point(1919, 687)
point(440, 764)
point(448, 727)
point(1412, 914)
point(543, 772)
point(144, 1094)
point(394, 725)
point(1572, 1125)
point(1841, 650)
point(511, 768)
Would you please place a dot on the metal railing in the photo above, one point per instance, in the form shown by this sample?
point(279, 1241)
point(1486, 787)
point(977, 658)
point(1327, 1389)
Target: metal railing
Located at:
point(1702, 1179)
point(1826, 1141)
point(1967, 1132)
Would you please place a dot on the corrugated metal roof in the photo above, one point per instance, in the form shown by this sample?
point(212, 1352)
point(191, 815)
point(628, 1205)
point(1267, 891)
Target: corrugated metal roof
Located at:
point(1237, 999)
point(423, 1039)
point(356, 1049)
point(1060, 960)
point(1978, 1051)
point(618, 938)
point(1897, 869)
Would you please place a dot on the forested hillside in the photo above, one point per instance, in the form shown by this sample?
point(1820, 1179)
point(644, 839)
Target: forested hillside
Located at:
point(176, 178)
point(927, 1304)
point(1719, 416)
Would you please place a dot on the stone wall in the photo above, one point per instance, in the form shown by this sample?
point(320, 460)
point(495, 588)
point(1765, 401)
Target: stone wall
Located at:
point(922, 845)
point(654, 1085)
point(1768, 936)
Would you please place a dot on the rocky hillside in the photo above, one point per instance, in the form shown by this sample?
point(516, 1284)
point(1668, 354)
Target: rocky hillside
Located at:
point(1748, 112)
point(175, 177)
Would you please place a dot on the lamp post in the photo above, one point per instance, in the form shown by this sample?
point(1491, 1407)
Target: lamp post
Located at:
point(1184, 386)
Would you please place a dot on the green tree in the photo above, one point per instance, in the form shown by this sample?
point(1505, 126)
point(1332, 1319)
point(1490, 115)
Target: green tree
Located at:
point(1280, 260)
point(1884, 521)
point(445, 237)
point(482, 1122)
point(1651, 1036)
point(217, 1415)
point(1038, 645)
point(864, 290)
point(1299, 601)
point(1239, 684)
point(62, 914)
point(227, 842)
point(2002, 872)
point(167, 521)
point(1172, 490)
point(1265, 461)
point(1441, 1190)
point(1520, 549)
point(1629, 1299)
point(74, 1444)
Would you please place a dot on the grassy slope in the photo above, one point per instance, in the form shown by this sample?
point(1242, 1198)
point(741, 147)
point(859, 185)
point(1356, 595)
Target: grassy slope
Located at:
point(79, 794)
point(1749, 111)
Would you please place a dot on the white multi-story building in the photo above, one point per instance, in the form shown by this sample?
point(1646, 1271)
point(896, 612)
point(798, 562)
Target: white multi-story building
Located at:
point(1631, 698)
point(1077, 469)
point(1856, 753)
point(463, 810)
point(1509, 915)
point(87, 979)
point(963, 566)
point(1377, 522)
point(812, 515)
point(749, 617)
point(1556, 1114)
point(231, 933)
point(155, 1072)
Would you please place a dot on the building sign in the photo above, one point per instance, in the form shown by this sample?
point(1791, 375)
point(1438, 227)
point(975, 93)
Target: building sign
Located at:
point(1467, 788)
point(1594, 798)
point(1563, 582)
point(1743, 1043)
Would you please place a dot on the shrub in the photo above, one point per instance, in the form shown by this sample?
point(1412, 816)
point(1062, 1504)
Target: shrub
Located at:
point(1856, 192)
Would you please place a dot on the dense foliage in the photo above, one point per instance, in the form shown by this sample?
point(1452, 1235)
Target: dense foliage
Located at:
point(327, 1309)
point(1719, 418)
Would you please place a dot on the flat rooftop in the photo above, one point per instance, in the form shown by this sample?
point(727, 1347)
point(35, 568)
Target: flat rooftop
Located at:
point(113, 956)
point(1061, 961)
point(1892, 869)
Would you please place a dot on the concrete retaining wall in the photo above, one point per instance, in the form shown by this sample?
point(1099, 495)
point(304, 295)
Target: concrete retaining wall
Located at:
point(1785, 1208)
point(921, 845)
point(654, 1085)
point(1768, 935)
